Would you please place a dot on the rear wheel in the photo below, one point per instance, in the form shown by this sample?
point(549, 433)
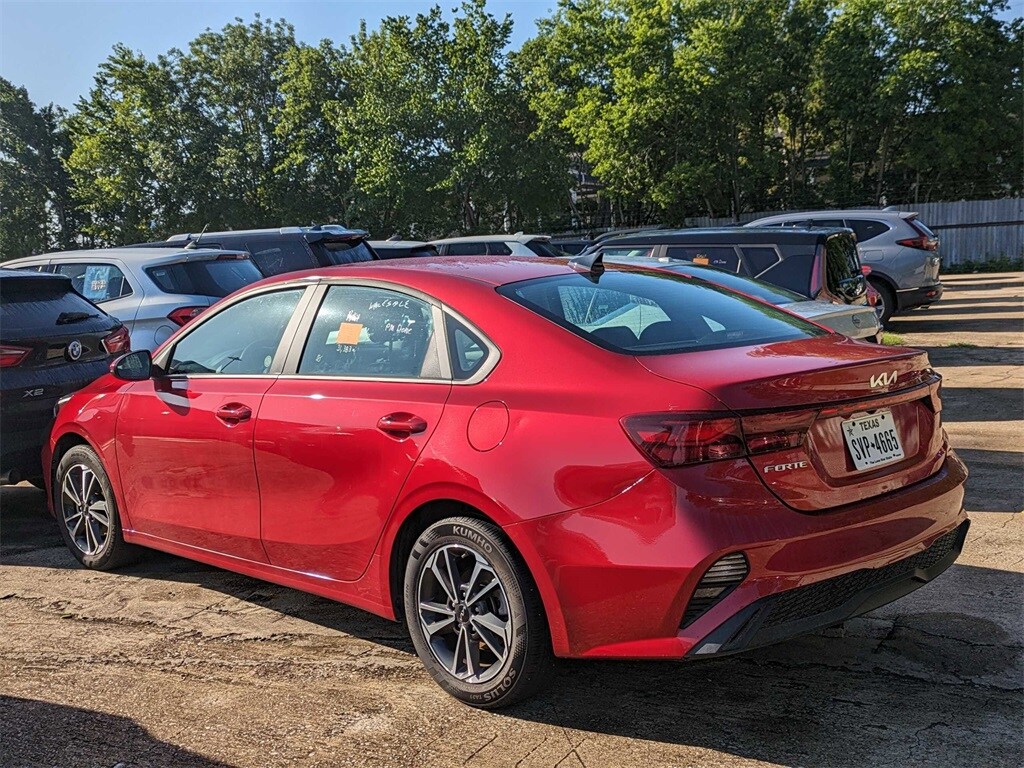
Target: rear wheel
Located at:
point(87, 511)
point(886, 301)
point(474, 614)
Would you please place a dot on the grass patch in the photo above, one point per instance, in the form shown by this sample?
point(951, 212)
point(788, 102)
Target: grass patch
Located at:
point(964, 344)
point(1000, 264)
point(892, 339)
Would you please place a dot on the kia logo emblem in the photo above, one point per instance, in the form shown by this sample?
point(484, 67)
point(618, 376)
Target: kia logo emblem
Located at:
point(74, 350)
point(883, 379)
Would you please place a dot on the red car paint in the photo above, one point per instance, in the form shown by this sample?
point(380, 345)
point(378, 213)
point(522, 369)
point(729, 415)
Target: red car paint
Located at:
point(306, 490)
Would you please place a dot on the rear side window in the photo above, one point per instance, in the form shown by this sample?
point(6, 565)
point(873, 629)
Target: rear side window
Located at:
point(371, 333)
point(865, 229)
point(759, 289)
point(793, 273)
point(276, 255)
point(205, 278)
point(543, 248)
point(759, 258)
point(723, 257)
point(841, 261)
point(628, 251)
point(467, 350)
point(495, 248)
point(97, 282)
point(648, 313)
point(467, 249)
point(343, 251)
point(828, 223)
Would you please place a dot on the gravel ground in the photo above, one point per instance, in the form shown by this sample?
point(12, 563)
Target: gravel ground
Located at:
point(172, 663)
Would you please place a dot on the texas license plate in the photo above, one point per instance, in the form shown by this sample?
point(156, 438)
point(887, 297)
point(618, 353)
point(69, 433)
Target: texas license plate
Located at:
point(872, 440)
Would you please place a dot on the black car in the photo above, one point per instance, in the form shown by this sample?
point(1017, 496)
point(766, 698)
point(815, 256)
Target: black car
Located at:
point(402, 249)
point(53, 341)
point(286, 249)
point(817, 263)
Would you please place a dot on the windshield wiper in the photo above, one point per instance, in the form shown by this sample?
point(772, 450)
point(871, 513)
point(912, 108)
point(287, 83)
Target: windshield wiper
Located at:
point(66, 318)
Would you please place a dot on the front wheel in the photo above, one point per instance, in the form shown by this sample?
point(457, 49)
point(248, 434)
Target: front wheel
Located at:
point(87, 511)
point(474, 614)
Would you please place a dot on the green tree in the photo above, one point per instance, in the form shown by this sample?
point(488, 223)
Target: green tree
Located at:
point(36, 211)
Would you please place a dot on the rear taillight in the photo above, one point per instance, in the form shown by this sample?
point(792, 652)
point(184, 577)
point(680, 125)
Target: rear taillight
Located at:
point(182, 315)
point(678, 439)
point(118, 341)
point(922, 243)
point(11, 355)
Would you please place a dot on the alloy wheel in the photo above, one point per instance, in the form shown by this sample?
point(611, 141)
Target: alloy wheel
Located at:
point(84, 509)
point(464, 613)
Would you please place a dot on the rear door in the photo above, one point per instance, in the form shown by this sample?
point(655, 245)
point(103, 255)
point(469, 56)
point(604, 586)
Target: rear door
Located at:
point(340, 430)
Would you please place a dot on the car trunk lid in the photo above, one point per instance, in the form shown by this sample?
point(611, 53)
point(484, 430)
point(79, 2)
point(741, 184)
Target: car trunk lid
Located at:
point(817, 388)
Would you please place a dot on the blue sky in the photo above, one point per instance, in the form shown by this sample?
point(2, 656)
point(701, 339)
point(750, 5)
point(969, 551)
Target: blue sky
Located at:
point(53, 48)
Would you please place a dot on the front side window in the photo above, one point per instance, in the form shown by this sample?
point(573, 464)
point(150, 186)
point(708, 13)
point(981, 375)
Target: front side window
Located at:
point(723, 257)
point(372, 333)
point(241, 340)
point(97, 282)
point(627, 252)
point(652, 313)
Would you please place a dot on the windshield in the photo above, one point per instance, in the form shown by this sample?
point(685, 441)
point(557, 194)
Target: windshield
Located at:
point(216, 278)
point(651, 313)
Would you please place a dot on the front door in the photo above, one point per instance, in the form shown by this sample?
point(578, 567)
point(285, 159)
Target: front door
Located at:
point(185, 440)
point(336, 439)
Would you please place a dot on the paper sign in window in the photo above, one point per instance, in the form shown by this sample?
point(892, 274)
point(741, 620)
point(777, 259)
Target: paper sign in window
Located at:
point(700, 260)
point(348, 333)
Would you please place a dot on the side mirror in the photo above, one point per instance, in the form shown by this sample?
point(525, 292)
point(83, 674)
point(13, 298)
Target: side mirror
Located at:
point(135, 366)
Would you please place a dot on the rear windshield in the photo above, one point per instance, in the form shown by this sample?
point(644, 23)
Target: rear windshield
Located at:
point(756, 288)
point(841, 262)
point(655, 313)
point(343, 251)
point(33, 306)
point(543, 248)
point(205, 278)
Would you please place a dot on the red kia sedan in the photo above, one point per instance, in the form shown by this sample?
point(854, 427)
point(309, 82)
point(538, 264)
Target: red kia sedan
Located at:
point(523, 459)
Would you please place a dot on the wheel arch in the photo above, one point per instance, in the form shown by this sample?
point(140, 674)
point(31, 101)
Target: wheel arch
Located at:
point(402, 535)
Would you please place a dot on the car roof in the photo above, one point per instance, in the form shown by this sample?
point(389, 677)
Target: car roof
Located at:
point(725, 236)
point(397, 243)
point(518, 237)
point(867, 213)
point(316, 231)
point(132, 256)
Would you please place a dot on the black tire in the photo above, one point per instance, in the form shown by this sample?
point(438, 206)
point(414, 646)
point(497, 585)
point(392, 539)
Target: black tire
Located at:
point(528, 659)
point(111, 551)
point(887, 301)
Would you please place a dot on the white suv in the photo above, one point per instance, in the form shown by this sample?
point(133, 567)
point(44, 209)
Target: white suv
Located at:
point(497, 245)
point(153, 291)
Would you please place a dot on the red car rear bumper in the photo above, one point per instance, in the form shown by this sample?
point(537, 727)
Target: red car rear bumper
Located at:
point(617, 577)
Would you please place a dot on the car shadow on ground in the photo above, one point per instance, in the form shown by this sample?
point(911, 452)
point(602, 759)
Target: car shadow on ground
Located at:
point(38, 733)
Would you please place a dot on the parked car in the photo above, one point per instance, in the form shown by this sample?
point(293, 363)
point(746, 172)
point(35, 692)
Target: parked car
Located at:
point(524, 458)
point(285, 249)
point(497, 245)
point(855, 321)
point(153, 291)
point(571, 245)
point(401, 249)
point(817, 264)
point(902, 252)
point(52, 342)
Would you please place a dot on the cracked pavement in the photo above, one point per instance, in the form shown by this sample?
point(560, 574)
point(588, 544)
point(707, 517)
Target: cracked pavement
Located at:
point(173, 663)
